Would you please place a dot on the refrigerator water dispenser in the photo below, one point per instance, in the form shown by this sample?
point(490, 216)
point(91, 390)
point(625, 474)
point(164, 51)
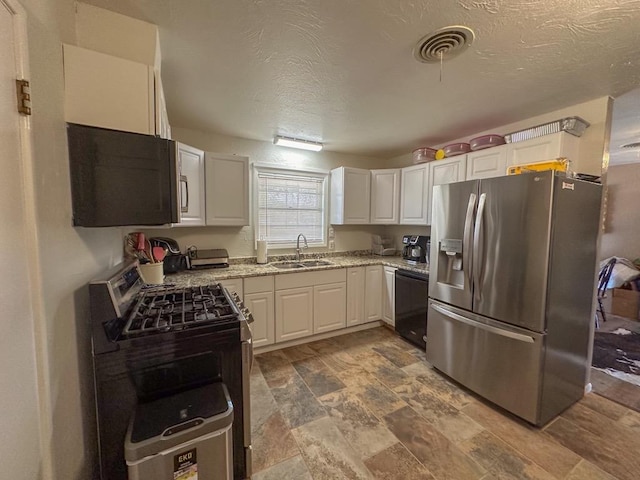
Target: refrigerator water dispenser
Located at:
point(451, 257)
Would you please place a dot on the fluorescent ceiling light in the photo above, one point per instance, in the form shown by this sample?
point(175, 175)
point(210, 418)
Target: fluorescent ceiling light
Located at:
point(297, 143)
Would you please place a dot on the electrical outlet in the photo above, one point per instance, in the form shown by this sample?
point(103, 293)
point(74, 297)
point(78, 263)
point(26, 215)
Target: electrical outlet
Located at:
point(332, 245)
point(332, 233)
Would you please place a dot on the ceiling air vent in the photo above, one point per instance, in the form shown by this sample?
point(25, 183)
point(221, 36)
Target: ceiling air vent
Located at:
point(443, 44)
point(631, 145)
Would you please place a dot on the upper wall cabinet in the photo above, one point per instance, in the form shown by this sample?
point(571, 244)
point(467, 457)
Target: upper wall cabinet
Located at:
point(118, 35)
point(111, 92)
point(491, 162)
point(191, 186)
point(385, 196)
point(445, 171)
point(227, 189)
point(414, 195)
point(547, 147)
point(350, 196)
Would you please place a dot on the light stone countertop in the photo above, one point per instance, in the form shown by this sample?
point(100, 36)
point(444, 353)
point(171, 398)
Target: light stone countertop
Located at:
point(242, 270)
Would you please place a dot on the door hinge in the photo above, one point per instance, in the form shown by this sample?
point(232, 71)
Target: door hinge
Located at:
point(23, 94)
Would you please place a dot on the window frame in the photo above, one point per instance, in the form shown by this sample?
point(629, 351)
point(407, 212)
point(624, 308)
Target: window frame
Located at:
point(257, 168)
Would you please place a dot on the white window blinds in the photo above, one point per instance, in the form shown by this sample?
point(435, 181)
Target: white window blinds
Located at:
point(290, 203)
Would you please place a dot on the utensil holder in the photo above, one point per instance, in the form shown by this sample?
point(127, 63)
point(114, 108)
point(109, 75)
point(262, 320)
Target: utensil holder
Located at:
point(152, 273)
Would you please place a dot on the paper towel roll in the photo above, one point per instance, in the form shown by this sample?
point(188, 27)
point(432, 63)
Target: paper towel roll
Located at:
point(261, 256)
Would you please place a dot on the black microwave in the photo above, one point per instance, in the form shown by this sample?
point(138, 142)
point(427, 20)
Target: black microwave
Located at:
point(121, 178)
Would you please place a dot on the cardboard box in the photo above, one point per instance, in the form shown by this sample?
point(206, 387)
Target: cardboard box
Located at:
point(625, 303)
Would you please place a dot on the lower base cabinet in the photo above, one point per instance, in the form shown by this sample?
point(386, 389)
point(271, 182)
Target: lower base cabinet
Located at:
point(389, 296)
point(296, 305)
point(258, 298)
point(355, 295)
point(373, 295)
point(310, 302)
point(261, 307)
point(294, 313)
point(329, 307)
point(234, 285)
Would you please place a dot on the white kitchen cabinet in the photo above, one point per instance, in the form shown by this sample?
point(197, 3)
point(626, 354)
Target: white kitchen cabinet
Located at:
point(385, 196)
point(163, 129)
point(259, 299)
point(329, 307)
point(389, 295)
point(373, 295)
point(234, 285)
point(111, 92)
point(310, 302)
point(350, 196)
point(190, 186)
point(547, 147)
point(355, 295)
point(415, 200)
point(294, 313)
point(442, 172)
point(226, 189)
point(118, 35)
point(490, 162)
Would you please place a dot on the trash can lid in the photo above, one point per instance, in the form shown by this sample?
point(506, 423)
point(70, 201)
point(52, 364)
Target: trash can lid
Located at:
point(174, 414)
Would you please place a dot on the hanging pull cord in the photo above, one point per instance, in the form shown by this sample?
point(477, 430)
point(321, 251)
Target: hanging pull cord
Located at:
point(440, 55)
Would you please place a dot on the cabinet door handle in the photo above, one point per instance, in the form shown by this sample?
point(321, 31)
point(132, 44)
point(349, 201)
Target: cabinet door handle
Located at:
point(185, 208)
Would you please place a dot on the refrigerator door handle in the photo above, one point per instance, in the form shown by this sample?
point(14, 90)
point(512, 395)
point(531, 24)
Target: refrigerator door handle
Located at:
point(489, 328)
point(478, 247)
point(467, 239)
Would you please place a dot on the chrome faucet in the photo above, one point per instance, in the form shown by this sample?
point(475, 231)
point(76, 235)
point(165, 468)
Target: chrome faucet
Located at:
point(298, 246)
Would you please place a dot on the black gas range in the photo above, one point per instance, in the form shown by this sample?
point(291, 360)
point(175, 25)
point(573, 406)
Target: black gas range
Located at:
point(150, 343)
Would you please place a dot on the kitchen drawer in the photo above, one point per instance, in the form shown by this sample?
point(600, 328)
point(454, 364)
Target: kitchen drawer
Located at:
point(258, 284)
point(309, 279)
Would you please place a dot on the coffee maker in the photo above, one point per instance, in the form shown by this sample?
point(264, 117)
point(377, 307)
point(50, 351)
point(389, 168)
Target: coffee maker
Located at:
point(416, 248)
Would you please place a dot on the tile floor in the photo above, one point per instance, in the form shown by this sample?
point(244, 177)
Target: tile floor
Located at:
point(367, 405)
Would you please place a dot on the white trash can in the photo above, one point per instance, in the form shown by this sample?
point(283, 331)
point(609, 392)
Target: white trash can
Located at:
point(186, 436)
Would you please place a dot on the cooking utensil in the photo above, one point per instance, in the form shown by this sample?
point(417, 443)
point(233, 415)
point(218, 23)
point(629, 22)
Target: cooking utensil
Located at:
point(131, 248)
point(158, 253)
point(148, 251)
point(141, 243)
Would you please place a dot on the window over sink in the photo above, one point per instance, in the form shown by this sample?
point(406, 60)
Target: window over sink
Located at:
point(290, 202)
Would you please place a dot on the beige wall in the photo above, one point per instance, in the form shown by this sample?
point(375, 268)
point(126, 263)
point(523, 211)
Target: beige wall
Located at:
point(593, 143)
point(239, 241)
point(621, 235)
point(69, 258)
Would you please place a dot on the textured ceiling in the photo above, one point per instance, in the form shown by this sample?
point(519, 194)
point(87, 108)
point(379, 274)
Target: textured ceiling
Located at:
point(343, 72)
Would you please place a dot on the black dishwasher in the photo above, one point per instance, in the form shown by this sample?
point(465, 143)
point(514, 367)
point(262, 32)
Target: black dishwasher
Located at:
point(412, 292)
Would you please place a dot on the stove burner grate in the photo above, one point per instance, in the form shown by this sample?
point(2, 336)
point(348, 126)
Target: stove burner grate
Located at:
point(169, 309)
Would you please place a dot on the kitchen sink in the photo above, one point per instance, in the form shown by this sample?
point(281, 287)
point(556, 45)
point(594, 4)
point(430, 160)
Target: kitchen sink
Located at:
point(303, 264)
point(285, 265)
point(315, 263)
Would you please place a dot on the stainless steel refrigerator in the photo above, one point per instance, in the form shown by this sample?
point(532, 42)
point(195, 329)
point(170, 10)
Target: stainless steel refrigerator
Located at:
point(512, 279)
